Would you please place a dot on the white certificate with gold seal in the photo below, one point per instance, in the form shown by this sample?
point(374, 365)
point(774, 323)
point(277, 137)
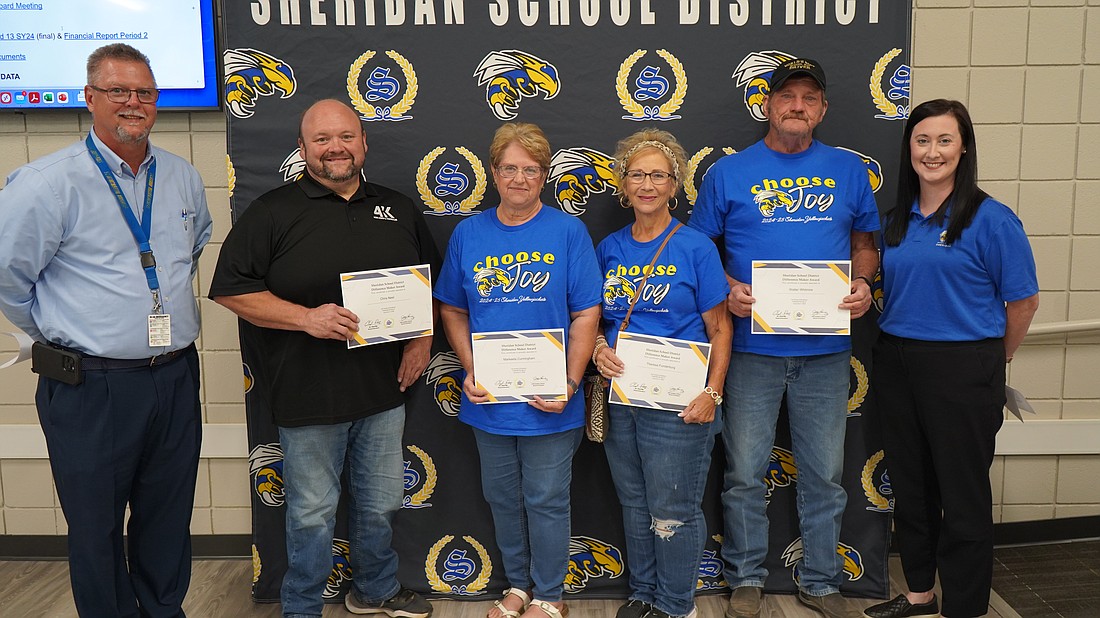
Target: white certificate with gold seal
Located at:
point(801, 297)
point(393, 304)
point(519, 365)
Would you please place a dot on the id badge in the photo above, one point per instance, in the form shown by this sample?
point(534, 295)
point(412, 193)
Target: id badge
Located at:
point(160, 330)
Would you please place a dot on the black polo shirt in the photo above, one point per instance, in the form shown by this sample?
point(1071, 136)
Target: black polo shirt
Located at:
point(294, 242)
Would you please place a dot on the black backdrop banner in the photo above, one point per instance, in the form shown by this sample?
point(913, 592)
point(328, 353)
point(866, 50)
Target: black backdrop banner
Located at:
point(433, 79)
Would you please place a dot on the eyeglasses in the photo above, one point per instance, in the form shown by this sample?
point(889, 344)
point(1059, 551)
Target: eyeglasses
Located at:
point(122, 95)
point(510, 171)
point(638, 177)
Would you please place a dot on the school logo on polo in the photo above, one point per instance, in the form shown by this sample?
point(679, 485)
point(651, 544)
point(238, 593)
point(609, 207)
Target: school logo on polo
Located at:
point(341, 569)
point(444, 375)
point(293, 166)
point(874, 168)
point(652, 95)
point(511, 75)
point(893, 102)
point(460, 574)
point(450, 191)
point(590, 558)
point(853, 560)
point(265, 466)
point(876, 485)
point(376, 97)
point(251, 74)
point(577, 173)
point(753, 74)
point(859, 390)
point(691, 190)
point(781, 471)
point(383, 212)
point(422, 476)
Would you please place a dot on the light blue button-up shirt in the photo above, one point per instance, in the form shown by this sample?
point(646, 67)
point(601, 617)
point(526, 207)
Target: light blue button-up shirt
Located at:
point(70, 270)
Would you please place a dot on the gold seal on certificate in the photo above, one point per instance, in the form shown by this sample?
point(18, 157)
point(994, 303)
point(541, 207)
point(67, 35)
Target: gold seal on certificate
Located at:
point(659, 372)
point(800, 297)
point(392, 303)
point(517, 365)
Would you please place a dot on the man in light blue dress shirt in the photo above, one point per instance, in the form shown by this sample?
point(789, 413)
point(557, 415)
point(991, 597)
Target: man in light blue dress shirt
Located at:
point(101, 245)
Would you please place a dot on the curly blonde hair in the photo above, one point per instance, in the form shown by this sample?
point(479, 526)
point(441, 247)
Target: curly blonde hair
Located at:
point(660, 140)
point(529, 137)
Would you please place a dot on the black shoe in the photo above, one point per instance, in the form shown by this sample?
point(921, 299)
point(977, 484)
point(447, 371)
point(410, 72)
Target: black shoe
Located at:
point(900, 607)
point(404, 604)
point(656, 613)
point(633, 609)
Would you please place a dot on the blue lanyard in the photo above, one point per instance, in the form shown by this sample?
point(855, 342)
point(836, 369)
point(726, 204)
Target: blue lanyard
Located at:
point(139, 230)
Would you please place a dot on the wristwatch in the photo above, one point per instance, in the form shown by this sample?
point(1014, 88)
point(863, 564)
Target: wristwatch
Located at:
point(713, 395)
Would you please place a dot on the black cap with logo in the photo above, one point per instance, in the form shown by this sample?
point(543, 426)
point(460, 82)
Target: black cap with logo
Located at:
point(795, 67)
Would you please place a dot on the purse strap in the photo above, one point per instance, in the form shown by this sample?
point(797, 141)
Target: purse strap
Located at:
point(648, 272)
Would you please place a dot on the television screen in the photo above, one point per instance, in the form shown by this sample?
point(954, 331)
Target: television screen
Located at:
point(44, 46)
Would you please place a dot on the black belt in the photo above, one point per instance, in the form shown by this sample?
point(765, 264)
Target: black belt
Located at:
point(107, 364)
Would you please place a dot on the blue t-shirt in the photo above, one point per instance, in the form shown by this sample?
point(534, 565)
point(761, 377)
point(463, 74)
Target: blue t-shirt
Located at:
point(545, 269)
point(773, 206)
point(935, 291)
point(687, 281)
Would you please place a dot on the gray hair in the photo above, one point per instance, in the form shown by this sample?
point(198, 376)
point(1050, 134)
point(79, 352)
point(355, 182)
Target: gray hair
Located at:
point(115, 51)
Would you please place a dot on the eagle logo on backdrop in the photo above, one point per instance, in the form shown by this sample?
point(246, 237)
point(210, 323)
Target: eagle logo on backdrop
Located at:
point(444, 375)
point(781, 472)
point(650, 86)
point(898, 90)
point(859, 393)
point(577, 173)
point(877, 487)
point(711, 568)
point(616, 287)
point(341, 569)
point(459, 567)
point(413, 478)
point(251, 74)
point(488, 278)
point(853, 560)
point(878, 296)
point(874, 168)
point(382, 87)
point(293, 166)
point(590, 558)
point(265, 466)
point(753, 73)
point(510, 75)
point(450, 183)
point(691, 190)
point(769, 200)
point(249, 381)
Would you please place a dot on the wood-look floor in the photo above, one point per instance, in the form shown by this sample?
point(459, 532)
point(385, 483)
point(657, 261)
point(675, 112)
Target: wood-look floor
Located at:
point(220, 589)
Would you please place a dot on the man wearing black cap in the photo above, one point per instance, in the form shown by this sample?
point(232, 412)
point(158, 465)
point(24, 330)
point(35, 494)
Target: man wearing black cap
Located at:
point(788, 197)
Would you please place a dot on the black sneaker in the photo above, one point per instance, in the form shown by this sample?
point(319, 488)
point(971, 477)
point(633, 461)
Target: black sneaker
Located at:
point(900, 607)
point(404, 604)
point(656, 613)
point(633, 609)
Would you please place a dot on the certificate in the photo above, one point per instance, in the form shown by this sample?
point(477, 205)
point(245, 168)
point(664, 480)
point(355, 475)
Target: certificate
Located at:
point(392, 303)
point(517, 365)
point(659, 372)
point(801, 298)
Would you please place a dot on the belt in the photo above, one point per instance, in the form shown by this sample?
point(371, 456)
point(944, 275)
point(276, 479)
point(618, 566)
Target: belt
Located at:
point(107, 364)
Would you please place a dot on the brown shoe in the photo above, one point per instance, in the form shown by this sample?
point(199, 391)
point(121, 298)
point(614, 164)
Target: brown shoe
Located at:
point(832, 605)
point(745, 602)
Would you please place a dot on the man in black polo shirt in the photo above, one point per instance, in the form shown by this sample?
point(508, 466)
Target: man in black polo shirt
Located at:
point(279, 270)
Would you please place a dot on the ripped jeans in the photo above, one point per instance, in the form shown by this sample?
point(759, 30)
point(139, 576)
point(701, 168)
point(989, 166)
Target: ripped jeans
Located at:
point(659, 465)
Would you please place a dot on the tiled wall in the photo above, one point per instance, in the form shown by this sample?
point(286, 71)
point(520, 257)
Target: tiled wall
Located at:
point(1030, 73)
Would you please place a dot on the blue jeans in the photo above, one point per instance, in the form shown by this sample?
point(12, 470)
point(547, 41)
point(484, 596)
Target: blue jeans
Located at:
point(313, 460)
point(659, 465)
point(817, 406)
point(525, 480)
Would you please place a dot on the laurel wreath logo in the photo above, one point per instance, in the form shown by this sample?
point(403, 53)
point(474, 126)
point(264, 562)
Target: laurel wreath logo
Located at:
point(430, 478)
point(638, 111)
point(437, 583)
point(438, 206)
point(231, 175)
point(256, 565)
point(879, 502)
point(690, 189)
point(857, 397)
point(397, 110)
point(877, 95)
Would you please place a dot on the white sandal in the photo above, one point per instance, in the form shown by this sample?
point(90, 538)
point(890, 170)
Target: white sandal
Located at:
point(550, 610)
point(513, 613)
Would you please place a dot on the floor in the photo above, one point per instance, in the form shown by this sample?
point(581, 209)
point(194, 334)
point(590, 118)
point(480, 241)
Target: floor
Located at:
point(1050, 581)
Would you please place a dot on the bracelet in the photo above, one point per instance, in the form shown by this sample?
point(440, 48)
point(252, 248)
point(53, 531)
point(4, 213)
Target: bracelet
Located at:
point(572, 383)
point(715, 395)
point(869, 282)
point(601, 343)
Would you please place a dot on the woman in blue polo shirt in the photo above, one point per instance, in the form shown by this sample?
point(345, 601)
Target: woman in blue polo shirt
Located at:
point(960, 291)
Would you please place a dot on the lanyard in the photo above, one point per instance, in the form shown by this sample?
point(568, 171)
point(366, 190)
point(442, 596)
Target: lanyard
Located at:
point(140, 231)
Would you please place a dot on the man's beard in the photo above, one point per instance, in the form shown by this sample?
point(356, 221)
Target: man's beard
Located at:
point(325, 171)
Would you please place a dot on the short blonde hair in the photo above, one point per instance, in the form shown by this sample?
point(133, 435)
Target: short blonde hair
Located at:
point(529, 137)
point(657, 139)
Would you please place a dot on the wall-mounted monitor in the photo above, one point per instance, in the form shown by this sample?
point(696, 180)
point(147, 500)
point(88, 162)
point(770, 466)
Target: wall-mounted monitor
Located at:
point(44, 45)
